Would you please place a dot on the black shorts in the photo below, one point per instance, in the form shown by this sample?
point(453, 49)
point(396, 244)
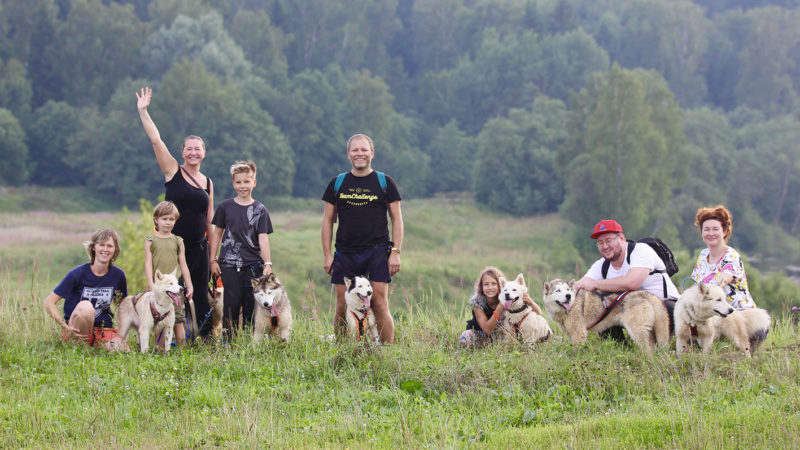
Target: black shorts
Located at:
point(372, 263)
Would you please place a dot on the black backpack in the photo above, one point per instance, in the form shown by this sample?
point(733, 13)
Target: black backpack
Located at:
point(661, 250)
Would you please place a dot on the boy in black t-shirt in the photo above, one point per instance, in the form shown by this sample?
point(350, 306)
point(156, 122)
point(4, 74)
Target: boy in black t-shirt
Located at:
point(363, 247)
point(242, 226)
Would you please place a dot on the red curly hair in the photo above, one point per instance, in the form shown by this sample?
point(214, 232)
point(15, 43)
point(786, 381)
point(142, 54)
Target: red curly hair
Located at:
point(719, 213)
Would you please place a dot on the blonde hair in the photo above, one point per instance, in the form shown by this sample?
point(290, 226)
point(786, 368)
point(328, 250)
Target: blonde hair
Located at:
point(360, 136)
point(165, 208)
point(719, 213)
point(102, 235)
point(243, 167)
point(493, 272)
point(191, 136)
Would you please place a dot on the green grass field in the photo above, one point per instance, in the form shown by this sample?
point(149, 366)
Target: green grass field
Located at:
point(424, 391)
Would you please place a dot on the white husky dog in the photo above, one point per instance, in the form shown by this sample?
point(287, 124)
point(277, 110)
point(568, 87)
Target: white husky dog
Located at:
point(152, 310)
point(523, 321)
point(706, 307)
point(359, 316)
point(273, 310)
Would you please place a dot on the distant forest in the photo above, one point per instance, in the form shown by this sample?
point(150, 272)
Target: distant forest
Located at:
point(641, 110)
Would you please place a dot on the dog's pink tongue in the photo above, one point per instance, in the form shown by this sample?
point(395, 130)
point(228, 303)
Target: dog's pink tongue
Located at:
point(507, 304)
point(364, 299)
point(273, 310)
point(175, 298)
point(567, 306)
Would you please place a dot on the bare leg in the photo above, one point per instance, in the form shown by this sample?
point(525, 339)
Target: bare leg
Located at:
point(82, 318)
point(380, 306)
point(339, 322)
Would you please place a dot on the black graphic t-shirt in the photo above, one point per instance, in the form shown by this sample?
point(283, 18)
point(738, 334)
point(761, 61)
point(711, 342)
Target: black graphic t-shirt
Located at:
point(242, 226)
point(82, 284)
point(361, 206)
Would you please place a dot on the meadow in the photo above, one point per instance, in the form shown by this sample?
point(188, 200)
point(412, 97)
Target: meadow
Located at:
point(423, 391)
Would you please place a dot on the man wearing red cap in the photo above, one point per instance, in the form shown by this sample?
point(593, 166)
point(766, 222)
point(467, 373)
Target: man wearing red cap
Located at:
point(644, 271)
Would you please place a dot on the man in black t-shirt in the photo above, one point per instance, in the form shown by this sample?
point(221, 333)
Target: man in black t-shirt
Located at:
point(363, 246)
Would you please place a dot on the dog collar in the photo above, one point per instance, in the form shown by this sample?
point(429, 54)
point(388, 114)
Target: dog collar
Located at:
point(523, 308)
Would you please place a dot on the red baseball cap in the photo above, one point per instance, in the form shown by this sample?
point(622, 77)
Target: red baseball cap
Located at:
point(606, 226)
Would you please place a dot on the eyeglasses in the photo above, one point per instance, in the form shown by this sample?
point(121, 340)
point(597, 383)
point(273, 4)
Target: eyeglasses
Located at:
point(606, 242)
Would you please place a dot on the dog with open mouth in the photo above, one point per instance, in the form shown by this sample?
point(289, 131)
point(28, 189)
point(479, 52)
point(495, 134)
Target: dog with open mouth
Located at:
point(273, 311)
point(523, 321)
point(152, 311)
point(641, 313)
point(359, 316)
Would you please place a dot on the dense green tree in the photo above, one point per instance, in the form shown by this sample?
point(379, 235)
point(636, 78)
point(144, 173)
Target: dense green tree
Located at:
point(50, 131)
point(310, 113)
point(95, 47)
point(15, 89)
point(452, 154)
point(327, 32)
point(13, 164)
point(436, 29)
point(569, 59)
point(769, 173)
point(625, 144)
point(263, 43)
point(203, 39)
point(515, 164)
point(164, 12)
point(768, 78)
point(503, 74)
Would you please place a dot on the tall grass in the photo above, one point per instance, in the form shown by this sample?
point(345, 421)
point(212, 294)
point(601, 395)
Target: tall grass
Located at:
point(423, 391)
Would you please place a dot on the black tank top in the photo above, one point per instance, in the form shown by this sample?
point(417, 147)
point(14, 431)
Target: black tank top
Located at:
point(192, 204)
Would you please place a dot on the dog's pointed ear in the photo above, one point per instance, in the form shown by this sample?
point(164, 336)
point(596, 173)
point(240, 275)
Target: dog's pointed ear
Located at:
point(271, 276)
point(702, 288)
point(546, 287)
point(520, 279)
point(502, 282)
point(572, 283)
point(159, 275)
point(347, 283)
point(254, 282)
point(174, 272)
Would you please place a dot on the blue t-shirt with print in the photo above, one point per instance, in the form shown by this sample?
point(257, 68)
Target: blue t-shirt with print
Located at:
point(82, 284)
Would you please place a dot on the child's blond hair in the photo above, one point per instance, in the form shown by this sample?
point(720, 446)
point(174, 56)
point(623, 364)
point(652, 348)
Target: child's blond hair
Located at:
point(165, 208)
point(243, 167)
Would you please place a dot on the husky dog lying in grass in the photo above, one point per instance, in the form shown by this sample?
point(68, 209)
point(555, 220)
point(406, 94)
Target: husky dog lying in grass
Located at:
point(273, 313)
point(705, 306)
point(641, 313)
point(359, 315)
point(151, 311)
point(523, 321)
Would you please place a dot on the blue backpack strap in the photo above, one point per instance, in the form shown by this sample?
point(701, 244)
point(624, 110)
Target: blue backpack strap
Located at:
point(339, 181)
point(382, 180)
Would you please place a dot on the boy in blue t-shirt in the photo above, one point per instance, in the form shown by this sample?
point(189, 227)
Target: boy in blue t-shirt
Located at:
point(242, 226)
point(88, 291)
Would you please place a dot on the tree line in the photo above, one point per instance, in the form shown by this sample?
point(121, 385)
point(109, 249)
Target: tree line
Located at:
point(641, 110)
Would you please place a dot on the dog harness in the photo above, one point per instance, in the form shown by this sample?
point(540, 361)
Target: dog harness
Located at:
point(360, 324)
point(157, 316)
point(610, 307)
point(516, 325)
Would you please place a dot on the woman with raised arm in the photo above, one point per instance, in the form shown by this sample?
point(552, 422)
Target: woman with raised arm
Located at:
point(193, 194)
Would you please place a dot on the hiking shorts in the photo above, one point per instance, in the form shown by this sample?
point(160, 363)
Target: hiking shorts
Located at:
point(372, 263)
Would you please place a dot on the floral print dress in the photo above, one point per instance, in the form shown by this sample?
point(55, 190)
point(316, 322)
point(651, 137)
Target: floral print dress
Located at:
point(710, 272)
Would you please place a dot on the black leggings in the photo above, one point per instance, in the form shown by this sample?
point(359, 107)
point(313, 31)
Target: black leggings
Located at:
point(238, 295)
point(197, 261)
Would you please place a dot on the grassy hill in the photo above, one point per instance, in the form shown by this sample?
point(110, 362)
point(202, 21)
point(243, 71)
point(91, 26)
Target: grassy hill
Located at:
point(424, 391)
